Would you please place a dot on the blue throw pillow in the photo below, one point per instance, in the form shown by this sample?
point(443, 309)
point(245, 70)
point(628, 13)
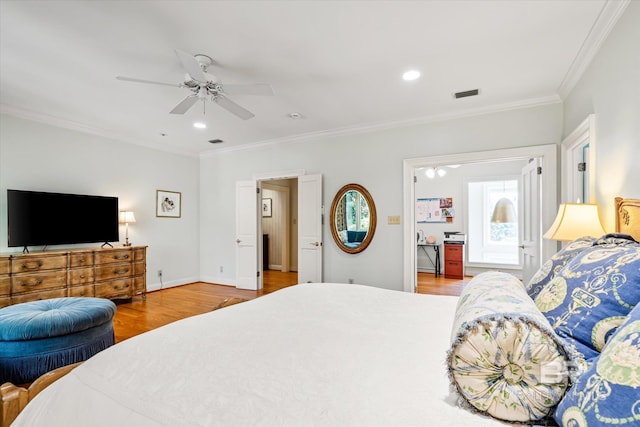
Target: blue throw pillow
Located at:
point(590, 297)
point(608, 393)
point(550, 268)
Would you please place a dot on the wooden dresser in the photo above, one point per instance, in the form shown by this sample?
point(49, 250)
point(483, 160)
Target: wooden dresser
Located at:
point(454, 261)
point(112, 273)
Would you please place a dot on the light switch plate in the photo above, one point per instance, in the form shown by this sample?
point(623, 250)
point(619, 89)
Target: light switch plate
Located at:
point(393, 219)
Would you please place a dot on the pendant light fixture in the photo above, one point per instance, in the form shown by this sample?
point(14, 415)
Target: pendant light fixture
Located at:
point(503, 212)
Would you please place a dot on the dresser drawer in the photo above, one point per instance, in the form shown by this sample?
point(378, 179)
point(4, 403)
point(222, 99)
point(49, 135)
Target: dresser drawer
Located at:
point(115, 271)
point(28, 264)
point(113, 256)
point(4, 265)
point(22, 283)
point(454, 270)
point(78, 276)
point(114, 289)
point(83, 259)
point(453, 251)
point(5, 286)
point(37, 296)
point(82, 291)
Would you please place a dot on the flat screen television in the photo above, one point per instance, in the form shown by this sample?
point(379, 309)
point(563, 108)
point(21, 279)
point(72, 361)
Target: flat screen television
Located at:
point(38, 218)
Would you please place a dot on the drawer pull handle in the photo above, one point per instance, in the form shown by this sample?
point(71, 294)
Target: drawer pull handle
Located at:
point(82, 276)
point(36, 283)
point(32, 267)
point(119, 257)
point(81, 260)
point(123, 271)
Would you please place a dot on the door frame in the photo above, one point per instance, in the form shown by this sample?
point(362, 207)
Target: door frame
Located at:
point(285, 192)
point(574, 184)
point(549, 186)
point(265, 177)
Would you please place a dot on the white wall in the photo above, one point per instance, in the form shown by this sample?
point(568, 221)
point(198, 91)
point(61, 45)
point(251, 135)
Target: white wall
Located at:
point(610, 88)
point(373, 160)
point(40, 157)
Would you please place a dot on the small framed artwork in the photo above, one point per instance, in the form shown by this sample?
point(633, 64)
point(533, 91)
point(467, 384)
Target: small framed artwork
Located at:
point(168, 204)
point(266, 207)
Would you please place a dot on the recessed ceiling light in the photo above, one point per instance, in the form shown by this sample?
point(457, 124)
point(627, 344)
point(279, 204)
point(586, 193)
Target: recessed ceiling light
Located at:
point(199, 125)
point(294, 115)
point(411, 75)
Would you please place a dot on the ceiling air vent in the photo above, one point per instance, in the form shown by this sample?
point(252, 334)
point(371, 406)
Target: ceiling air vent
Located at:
point(466, 93)
point(215, 141)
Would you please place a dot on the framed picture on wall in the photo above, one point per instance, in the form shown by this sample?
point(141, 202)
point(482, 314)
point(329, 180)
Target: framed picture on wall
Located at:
point(168, 204)
point(266, 208)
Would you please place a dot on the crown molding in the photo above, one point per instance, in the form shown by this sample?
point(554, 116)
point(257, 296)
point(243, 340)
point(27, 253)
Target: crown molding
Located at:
point(607, 19)
point(375, 127)
point(312, 136)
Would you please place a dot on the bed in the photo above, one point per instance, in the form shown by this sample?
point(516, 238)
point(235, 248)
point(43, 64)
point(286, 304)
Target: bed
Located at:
point(313, 354)
point(320, 354)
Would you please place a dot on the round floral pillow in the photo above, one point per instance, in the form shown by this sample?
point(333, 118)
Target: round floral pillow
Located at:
point(505, 360)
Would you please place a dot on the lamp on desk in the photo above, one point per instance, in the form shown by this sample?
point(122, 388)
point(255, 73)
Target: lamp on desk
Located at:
point(575, 220)
point(127, 217)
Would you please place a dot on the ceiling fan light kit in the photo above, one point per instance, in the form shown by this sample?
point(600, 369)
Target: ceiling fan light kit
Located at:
point(205, 85)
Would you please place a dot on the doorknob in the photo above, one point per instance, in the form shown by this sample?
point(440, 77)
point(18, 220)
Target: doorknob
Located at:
point(238, 240)
point(521, 246)
point(316, 243)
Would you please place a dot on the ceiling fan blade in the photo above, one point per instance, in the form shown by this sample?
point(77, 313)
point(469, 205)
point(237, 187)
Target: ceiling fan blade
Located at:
point(192, 66)
point(233, 108)
point(185, 104)
point(262, 89)
point(131, 79)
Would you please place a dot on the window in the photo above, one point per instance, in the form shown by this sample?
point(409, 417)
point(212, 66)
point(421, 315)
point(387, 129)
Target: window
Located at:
point(493, 239)
point(357, 211)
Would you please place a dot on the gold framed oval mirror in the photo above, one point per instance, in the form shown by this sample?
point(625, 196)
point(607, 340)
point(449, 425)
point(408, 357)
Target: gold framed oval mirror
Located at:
point(353, 218)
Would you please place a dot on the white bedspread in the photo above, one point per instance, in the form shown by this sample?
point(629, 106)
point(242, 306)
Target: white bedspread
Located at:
point(313, 354)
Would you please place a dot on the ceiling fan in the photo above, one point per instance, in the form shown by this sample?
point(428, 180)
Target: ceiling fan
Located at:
point(205, 85)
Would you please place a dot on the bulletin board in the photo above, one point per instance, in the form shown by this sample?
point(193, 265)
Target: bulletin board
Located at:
point(434, 209)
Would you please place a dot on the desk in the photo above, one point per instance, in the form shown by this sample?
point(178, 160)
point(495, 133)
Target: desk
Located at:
point(434, 261)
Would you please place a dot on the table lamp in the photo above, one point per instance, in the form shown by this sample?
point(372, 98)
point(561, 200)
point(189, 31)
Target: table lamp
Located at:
point(127, 217)
point(575, 220)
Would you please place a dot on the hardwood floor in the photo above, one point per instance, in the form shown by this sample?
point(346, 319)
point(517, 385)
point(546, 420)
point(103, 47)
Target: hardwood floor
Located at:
point(429, 284)
point(168, 305)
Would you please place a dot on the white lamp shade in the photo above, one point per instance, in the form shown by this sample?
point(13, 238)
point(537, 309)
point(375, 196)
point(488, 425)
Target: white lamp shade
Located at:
point(574, 221)
point(127, 217)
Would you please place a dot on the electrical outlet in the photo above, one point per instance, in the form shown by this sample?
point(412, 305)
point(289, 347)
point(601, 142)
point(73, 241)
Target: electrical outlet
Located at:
point(221, 269)
point(159, 273)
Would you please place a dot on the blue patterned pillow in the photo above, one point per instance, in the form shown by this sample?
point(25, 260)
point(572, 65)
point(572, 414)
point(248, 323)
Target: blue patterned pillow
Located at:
point(609, 392)
point(590, 297)
point(553, 265)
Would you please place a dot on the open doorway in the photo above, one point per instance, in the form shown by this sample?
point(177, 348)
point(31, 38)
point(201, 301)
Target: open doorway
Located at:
point(548, 183)
point(280, 232)
point(250, 208)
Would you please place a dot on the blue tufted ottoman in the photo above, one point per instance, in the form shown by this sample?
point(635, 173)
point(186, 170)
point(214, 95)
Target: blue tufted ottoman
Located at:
point(38, 336)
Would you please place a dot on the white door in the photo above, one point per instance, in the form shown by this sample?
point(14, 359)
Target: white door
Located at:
point(310, 228)
point(247, 248)
point(530, 226)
